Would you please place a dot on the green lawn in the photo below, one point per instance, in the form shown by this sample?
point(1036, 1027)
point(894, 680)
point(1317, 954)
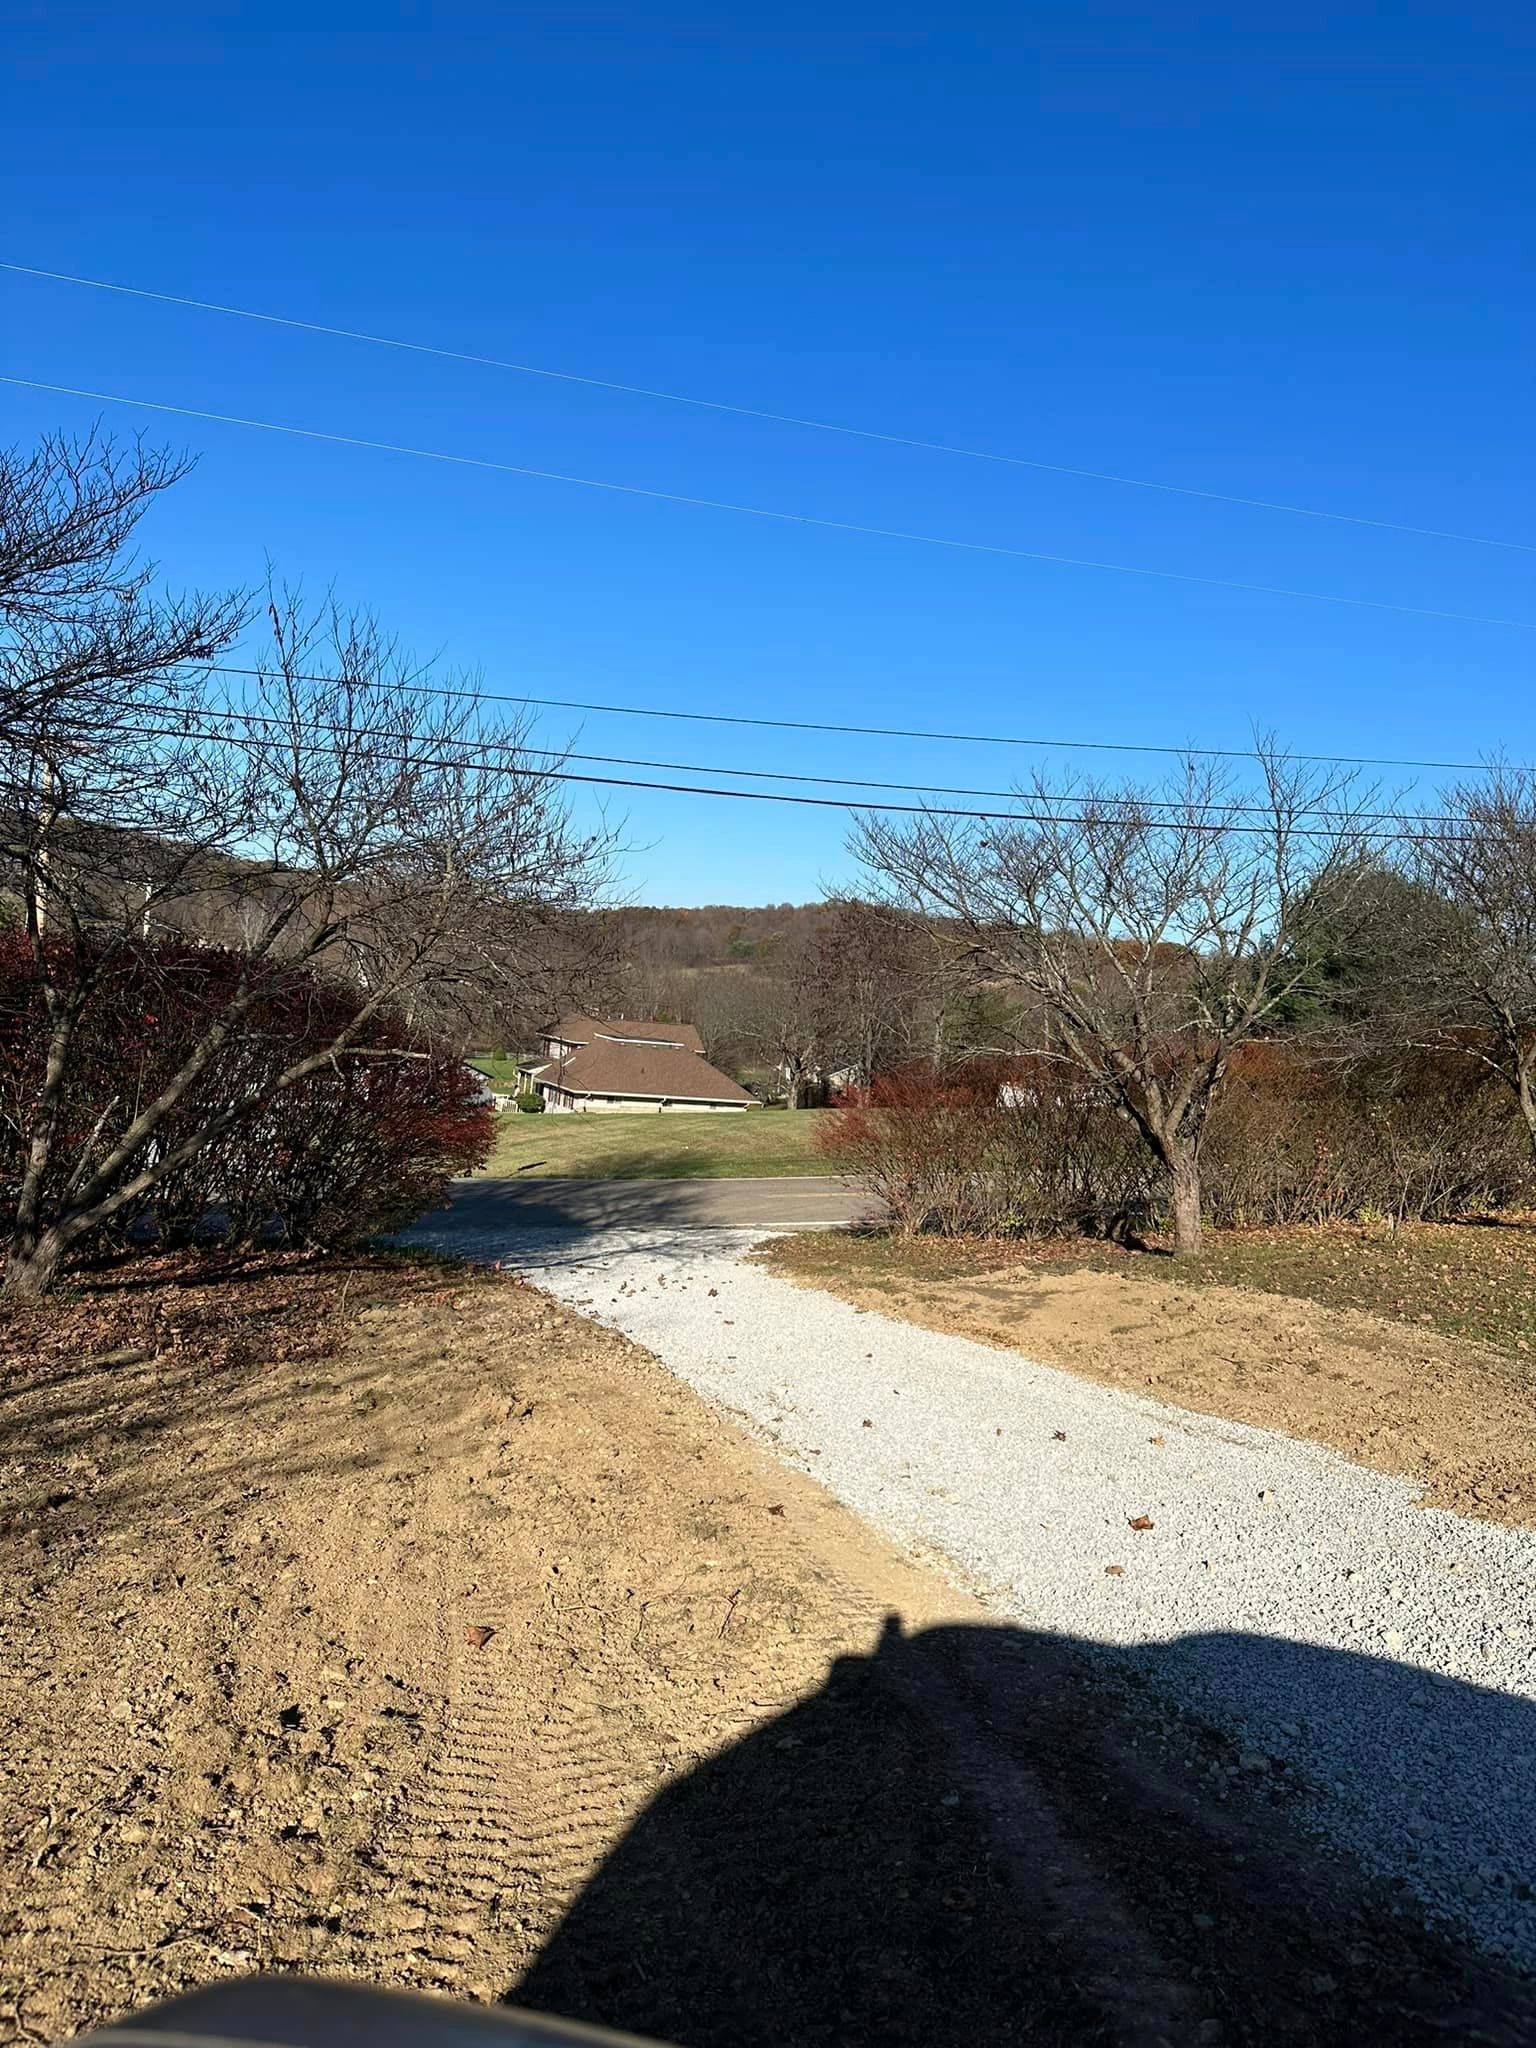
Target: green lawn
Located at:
point(499, 1068)
point(751, 1144)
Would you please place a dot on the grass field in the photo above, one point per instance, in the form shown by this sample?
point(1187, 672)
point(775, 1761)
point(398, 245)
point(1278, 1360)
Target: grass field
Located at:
point(754, 1144)
point(499, 1068)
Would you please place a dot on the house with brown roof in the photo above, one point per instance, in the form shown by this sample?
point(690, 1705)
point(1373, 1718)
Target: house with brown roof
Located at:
point(630, 1063)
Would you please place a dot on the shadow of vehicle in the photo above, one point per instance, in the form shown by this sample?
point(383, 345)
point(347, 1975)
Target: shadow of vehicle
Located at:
point(982, 1835)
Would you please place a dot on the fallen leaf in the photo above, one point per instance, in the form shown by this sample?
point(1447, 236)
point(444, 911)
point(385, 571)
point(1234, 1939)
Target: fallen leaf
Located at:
point(1114, 1571)
point(1140, 1522)
point(477, 1635)
point(776, 1510)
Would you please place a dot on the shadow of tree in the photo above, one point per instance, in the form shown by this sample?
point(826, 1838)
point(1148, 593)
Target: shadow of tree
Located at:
point(976, 1834)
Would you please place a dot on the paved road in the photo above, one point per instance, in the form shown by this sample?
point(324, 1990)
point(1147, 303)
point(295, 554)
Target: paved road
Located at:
point(791, 1202)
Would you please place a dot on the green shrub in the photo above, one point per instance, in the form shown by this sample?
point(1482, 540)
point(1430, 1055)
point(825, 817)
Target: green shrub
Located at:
point(531, 1102)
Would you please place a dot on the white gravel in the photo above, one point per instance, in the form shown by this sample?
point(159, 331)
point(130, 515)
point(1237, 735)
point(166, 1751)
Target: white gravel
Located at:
point(1385, 1652)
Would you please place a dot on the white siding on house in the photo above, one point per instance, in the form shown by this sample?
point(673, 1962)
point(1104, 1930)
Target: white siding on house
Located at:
point(561, 1100)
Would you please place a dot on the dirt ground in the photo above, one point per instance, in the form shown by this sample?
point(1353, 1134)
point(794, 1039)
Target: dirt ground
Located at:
point(403, 1625)
point(1457, 1416)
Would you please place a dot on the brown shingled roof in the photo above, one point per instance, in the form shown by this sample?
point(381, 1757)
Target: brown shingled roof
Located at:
point(579, 1030)
point(659, 1073)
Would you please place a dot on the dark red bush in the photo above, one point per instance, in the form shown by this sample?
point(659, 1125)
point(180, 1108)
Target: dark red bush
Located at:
point(1030, 1145)
point(362, 1144)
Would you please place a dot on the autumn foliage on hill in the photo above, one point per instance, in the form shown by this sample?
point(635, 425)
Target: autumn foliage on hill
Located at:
point(363, 1143)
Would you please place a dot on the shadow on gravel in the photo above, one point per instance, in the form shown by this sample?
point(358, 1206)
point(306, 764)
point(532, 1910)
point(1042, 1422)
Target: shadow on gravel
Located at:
point(978, 1835)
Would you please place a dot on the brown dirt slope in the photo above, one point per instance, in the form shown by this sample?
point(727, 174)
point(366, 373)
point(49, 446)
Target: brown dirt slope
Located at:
point(458, 1646)
point(1454, 1415)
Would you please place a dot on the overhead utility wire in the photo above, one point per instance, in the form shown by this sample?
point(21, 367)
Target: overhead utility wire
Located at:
point(888, 732)
point(467, 758)
point(481, 742)
point(930, 540)
point(752, 412)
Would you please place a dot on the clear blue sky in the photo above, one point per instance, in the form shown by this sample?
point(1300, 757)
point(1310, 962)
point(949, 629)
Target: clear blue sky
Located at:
point(1281, 253)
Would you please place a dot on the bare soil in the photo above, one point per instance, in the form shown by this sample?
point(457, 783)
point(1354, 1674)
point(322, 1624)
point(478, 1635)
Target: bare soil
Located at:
point(397, 1623)
point(1457, 1416)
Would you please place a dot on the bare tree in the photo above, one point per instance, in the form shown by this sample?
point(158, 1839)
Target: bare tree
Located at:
point(790, 1016)
point(1476, 862)
point(1150, 932)
point(85, 643)
point(337, 816)
point(882, 984)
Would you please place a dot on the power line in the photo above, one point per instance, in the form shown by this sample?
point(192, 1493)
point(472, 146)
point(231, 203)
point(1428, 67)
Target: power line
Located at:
point(752, 412)
point(1132, 801)
point(1125, 802)
point(931, 540)
point(468, 756)
point(889, 732)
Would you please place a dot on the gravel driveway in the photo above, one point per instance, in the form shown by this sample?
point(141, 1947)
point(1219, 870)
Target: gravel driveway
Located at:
point(1380, 1656)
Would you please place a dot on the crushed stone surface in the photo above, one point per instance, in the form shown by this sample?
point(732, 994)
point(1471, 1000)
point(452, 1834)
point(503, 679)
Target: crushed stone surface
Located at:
point(1377, 1655)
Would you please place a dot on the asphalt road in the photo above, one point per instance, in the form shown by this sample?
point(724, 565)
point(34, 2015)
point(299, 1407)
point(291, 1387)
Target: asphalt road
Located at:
point(787, 1202)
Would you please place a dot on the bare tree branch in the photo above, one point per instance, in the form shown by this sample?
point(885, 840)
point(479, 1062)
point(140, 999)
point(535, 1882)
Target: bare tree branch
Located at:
point(1149, 935)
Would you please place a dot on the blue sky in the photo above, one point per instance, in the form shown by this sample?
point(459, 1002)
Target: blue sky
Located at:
point(1275, 253)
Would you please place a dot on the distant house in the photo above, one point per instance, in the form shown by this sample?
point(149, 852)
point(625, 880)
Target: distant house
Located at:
point(502, 1094)
point(630, 1063)
point(817, 1086)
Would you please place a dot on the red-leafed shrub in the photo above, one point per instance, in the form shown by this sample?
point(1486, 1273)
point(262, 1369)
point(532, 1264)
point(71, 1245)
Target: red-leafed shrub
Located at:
point(927, 1145)
point(1411, 1134)
point(364, 1143)
point(983, 1147)
point(1030, 1145)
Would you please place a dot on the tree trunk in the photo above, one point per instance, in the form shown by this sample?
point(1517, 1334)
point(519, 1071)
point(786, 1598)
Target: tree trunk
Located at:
point(30, 1271)
point(1185, 1167)
point(1526, 1090)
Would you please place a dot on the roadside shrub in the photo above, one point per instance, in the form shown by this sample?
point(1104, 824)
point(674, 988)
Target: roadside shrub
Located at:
point(1411, 1136)
point(531, 1102)
point(987, 1147)
point(1027, 1145)
point(358, 1147)
point(361, 1145)
point(926, 1145)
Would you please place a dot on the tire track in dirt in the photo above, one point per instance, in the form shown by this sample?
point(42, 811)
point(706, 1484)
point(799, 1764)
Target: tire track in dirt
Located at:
point(519, 1797)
